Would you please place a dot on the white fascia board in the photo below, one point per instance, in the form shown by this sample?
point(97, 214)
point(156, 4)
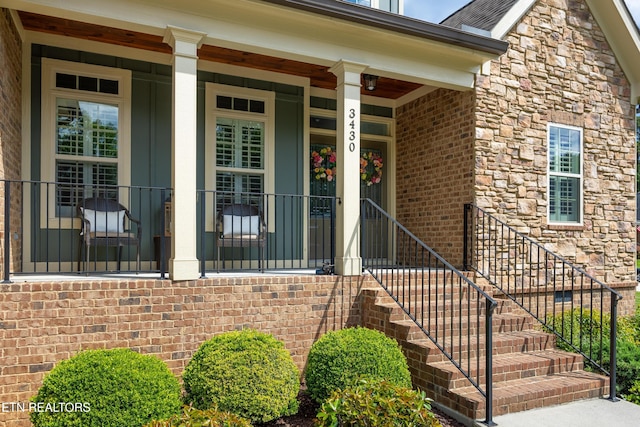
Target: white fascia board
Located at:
point(511, 18)
point(622, 35)
point(263, 28)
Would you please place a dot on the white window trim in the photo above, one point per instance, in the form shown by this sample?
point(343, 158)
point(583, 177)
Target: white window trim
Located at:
point(212, 90)
point(580, 176)
point(48, 142)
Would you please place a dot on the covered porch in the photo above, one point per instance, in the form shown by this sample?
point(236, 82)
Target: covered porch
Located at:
point(211, 106)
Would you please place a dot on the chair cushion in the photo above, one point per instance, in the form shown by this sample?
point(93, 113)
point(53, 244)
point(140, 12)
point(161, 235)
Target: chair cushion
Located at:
point(235, 225)
point(105, 222)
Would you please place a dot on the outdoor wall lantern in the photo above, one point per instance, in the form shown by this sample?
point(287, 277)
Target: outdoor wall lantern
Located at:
point(370, 81)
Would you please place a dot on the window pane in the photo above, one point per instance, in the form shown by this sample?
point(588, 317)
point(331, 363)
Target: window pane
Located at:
point(252, 145)
point(109, 86)
point(79, 180)
point(375, 128)
point(87, 129)
point(230, 187)
point(70, 129)
point(69, 191)
point(101, 122)
point(239, 144)
point(564, 199)
point(66, 81)
point(88, 83)
point(564, 150)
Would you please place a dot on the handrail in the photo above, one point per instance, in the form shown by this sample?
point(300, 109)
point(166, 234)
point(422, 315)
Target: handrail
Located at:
point(531, 276)
point(450, 309)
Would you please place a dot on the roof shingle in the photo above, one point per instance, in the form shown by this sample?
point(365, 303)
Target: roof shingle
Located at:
point(482, 14)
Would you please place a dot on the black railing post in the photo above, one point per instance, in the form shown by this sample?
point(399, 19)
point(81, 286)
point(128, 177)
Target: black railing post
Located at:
point(465, 243)
point(163, 226)
point(203, 221)
point(612, 348)
point(491, 305)
point(7, 231)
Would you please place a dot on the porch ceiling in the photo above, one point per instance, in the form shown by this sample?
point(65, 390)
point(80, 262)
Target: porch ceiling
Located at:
point(319, 75)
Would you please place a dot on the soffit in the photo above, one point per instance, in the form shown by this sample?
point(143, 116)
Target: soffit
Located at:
point(264, 35)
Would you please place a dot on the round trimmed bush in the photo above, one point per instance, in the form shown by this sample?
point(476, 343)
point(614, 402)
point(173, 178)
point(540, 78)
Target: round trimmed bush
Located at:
point(339, 358)
point(247, 373)
point(107, 388)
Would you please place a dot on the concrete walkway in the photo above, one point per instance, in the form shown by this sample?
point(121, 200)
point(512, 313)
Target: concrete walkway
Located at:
point(584, 413)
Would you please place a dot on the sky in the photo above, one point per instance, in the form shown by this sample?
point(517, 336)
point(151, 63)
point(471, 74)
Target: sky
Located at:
point(437, 10)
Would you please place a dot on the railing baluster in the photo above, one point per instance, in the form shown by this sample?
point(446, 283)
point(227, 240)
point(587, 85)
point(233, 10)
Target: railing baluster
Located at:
point(7, 232)
point(554, 266)
point(435, 313)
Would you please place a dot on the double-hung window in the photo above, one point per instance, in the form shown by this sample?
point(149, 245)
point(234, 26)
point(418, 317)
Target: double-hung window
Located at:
point(565, 174)
point(239, 143)
point(85, 134)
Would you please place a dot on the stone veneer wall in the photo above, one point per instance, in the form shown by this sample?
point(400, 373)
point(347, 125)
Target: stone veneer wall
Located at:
point(10, 125)
point(44, 323)
point(560, 69)
point(435, 136)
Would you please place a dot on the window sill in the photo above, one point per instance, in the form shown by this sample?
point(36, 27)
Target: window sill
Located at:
point(565, 227)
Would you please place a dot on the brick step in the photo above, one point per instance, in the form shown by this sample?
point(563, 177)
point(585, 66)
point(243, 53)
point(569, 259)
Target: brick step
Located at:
point(433, 308)
point(408, 329)
point(507, 367)
point(503, 343)
point(530, 393)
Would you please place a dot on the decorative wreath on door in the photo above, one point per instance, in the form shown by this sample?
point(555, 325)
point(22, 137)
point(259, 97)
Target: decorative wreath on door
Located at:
point(323, 166)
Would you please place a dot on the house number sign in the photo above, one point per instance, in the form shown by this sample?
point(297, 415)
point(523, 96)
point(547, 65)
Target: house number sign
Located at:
point(353, 126)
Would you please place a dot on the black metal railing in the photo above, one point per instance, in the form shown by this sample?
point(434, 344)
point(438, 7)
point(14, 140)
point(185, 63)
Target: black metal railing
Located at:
point(565, 299)
point(454, 313)
point(44, 234)
point(259, 231)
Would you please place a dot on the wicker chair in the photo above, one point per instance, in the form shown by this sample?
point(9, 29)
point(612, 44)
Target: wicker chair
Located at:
point(103, 224)
point(241, 226)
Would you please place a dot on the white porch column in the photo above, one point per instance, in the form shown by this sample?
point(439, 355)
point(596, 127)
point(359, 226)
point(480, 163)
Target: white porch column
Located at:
point(183, 264)
point(348, 260)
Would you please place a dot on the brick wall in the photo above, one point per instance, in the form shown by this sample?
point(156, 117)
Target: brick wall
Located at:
point(43, 323)
point(560, 69)
point(435, 136)
point(10, 123)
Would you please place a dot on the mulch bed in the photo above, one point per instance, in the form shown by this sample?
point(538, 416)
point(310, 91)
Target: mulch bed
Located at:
point(309, 408)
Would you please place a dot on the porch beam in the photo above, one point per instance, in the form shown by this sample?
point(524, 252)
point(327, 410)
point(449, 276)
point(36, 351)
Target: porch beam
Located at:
point(348, 260)
point(183, 263)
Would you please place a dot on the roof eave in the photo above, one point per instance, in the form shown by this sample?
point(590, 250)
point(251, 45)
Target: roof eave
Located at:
point(397, 23)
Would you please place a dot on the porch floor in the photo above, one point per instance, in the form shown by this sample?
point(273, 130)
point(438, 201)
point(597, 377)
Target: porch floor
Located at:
point(91, 276)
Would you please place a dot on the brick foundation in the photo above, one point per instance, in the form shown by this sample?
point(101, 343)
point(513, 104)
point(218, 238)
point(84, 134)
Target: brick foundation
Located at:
point(44, 323)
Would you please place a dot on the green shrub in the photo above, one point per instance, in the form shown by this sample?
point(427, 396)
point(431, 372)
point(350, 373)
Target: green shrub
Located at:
point(634, 393)
point(586, 330)
point(577, 326)
point(192, 417)
point(629, 328)
point(628, 366)
point(376, 403)
point(117, 387)
point(247, 373)
point(338, 358)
